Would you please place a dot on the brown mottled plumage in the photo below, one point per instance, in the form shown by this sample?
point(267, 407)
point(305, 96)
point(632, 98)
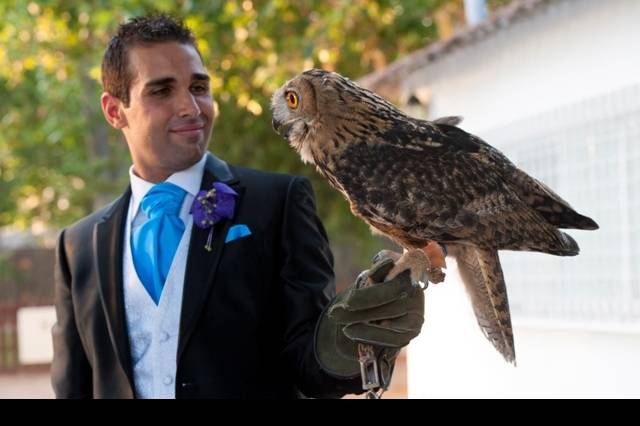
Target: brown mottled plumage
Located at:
point(417, 181)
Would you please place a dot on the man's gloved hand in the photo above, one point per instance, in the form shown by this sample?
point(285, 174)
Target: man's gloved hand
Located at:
point(386, 314)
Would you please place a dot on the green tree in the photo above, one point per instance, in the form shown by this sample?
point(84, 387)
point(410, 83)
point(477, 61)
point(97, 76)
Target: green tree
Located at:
point(59, 159)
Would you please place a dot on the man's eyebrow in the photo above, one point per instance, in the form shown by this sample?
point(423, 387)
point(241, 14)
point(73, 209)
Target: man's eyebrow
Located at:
point(163, 81)
point(201, 77)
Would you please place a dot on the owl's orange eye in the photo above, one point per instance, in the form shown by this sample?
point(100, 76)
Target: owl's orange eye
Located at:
point(292, 99)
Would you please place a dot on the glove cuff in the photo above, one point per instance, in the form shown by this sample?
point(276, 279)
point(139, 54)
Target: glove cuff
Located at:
point(334, 352)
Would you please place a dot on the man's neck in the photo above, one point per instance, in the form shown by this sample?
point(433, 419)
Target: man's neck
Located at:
point(153, 176)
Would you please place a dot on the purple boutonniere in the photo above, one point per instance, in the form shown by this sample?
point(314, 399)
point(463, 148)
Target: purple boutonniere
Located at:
point(210, 206)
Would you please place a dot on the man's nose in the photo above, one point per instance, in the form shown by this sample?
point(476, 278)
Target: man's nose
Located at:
point(188, 106)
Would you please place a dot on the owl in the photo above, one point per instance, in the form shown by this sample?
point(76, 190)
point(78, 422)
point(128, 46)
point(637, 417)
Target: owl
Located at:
point(419, 182)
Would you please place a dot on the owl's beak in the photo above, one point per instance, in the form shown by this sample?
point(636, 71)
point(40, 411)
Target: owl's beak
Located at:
point(276, 125)
point(279, 125)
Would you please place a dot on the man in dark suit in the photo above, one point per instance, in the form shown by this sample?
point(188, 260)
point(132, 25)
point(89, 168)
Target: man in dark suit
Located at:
point(203, 279)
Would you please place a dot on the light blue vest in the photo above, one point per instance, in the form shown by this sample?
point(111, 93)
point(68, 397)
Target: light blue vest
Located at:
point(154, 330)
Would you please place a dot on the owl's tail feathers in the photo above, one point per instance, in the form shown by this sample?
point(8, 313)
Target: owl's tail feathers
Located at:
point(567, 245)
point(482, 276)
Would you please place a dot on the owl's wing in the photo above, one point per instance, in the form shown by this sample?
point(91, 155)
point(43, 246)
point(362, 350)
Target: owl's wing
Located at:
point(482, 276)
point(535, 194)
point(439, 182)
point(410, 173)
point(547, 203)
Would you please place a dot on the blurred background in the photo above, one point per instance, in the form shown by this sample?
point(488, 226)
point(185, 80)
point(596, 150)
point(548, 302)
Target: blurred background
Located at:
point(554, 84)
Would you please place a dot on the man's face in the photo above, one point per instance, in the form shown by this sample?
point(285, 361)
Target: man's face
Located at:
point(169, 120)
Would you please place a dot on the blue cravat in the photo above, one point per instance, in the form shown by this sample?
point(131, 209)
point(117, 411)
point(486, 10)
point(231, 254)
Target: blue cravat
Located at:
point(154, 243)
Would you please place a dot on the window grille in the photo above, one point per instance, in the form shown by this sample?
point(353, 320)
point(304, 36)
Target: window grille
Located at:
point(589, 153)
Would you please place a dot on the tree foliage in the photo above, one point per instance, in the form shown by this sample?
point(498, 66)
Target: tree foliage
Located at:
point(59, 159)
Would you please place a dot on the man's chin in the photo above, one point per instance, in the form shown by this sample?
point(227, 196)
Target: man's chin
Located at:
point(188, 138)
point(196, 138)
point(193, 151)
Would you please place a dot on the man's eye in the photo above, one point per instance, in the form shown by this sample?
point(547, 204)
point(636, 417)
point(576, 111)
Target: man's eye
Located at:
point(161, 92)
point(200, 89)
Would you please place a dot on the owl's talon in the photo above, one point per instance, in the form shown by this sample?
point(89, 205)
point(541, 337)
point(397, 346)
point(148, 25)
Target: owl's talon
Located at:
point(436, 275)
point(386, 254)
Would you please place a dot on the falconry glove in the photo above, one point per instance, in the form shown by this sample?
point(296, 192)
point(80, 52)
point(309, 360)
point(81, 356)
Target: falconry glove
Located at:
point(387, 315)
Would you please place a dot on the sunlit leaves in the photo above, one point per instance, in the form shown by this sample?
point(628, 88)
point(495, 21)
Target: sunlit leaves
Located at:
point(59, 159)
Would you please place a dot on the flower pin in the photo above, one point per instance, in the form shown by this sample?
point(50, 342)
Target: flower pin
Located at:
point(211, 205)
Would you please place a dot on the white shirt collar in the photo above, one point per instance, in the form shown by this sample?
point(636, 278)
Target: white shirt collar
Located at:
point(187, 179)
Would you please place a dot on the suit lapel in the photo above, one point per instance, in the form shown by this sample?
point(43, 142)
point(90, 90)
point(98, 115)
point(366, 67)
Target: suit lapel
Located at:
point(108, 246)
point(202, 264)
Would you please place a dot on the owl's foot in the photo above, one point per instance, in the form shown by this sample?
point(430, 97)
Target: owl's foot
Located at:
point(418, 262)
point(425, 264)
point(436, 275)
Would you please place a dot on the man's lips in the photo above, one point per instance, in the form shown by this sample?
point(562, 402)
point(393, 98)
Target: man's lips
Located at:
point(187, 129)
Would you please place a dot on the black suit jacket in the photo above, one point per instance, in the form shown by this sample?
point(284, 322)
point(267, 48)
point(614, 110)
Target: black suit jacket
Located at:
point(249, 307)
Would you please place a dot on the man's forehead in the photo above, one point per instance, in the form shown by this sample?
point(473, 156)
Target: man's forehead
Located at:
point(148, 62)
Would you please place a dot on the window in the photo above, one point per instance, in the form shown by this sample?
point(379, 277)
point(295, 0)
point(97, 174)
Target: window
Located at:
point(589, 153)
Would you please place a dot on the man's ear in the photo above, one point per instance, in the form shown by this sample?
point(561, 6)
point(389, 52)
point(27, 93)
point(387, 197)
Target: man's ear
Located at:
point(112, 110)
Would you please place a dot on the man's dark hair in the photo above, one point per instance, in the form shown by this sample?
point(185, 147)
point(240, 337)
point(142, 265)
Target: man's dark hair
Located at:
point(144, 30)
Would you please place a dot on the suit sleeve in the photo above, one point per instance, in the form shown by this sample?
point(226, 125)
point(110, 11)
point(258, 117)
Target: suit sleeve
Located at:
point(308, 284)
point(70, 369)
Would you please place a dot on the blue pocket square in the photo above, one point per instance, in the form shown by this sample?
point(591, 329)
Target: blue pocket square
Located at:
point(237, 231)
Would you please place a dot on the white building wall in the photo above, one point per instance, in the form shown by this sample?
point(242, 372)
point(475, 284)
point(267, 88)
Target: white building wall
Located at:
point(567, 52)
point(559, 94)
point(452, 359)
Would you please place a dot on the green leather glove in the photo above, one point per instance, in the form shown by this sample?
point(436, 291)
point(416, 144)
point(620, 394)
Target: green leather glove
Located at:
point(387, 314)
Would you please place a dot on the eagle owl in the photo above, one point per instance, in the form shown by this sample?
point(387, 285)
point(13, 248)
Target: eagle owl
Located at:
point(419, 181)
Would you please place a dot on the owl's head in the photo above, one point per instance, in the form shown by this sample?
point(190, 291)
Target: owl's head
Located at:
point(304, 107)
point(320, 112)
